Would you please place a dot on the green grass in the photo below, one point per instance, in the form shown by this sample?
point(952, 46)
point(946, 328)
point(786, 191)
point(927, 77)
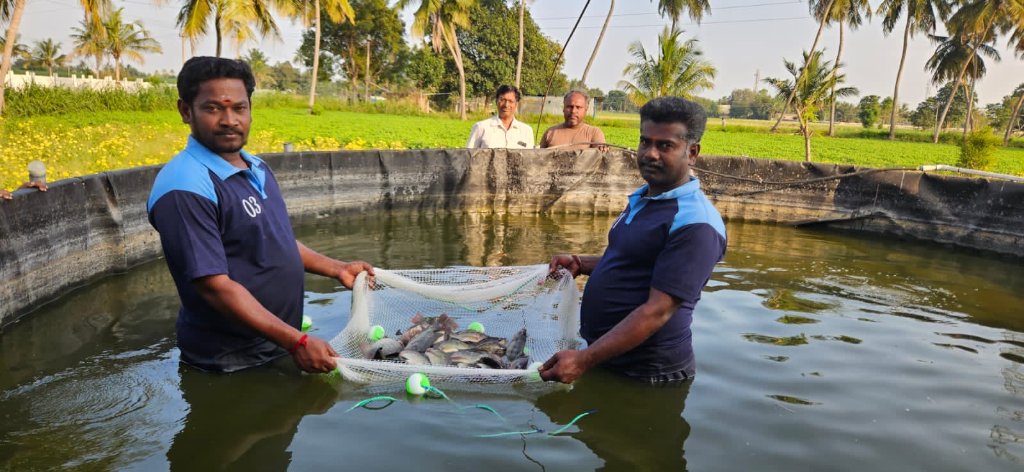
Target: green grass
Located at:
point(76, 143)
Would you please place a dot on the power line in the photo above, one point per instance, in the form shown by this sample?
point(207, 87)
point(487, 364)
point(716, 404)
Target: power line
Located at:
point(756, 5)
point(759, 20)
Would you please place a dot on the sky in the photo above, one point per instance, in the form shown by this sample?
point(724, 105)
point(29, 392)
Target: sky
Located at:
point(743, 39)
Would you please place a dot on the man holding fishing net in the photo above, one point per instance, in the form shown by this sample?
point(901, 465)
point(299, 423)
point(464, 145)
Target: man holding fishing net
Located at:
point(226, 236)
point(638, 303)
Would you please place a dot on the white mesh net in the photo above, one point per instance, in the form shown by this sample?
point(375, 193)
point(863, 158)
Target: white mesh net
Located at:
point(502, 299)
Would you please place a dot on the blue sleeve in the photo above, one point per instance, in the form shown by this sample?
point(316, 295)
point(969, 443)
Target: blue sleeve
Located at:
point(189, 234)
point(685, 264)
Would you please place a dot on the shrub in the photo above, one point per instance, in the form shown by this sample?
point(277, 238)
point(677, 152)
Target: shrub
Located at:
point(36, 100)
point(976, 151)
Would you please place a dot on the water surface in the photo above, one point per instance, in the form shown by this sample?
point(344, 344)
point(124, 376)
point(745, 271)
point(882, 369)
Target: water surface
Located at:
point(816, 351)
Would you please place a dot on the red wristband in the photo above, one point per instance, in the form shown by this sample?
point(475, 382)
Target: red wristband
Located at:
point(300, 343)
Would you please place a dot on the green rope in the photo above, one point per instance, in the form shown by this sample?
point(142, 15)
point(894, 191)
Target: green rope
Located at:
point(510, 433)
point(574, 420)
point(438, 392)
point(484, 407)
point(363, 403)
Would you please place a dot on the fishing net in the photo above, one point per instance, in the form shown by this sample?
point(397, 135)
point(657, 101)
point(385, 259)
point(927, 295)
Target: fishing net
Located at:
point(502, 299)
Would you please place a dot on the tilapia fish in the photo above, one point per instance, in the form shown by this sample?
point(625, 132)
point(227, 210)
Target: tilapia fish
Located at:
point(434, 341)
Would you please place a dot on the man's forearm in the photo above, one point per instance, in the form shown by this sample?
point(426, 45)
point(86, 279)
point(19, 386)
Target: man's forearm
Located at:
point(232, 299)
point(634, 329)
point(316, 263)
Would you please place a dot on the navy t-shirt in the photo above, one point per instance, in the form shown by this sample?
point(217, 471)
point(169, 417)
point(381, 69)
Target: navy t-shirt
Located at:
point(214, 218)
point(670, 242)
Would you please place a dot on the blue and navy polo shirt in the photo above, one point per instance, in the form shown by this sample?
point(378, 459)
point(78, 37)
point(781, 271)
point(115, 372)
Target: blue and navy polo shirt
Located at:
point(214, 218)
point(670, 242)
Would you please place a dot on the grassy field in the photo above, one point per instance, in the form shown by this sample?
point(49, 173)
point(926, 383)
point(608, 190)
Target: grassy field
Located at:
point(82, 143)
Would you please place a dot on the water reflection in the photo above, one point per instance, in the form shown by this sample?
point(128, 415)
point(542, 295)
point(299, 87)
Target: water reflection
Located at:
point(245, 420)
point(636, 426)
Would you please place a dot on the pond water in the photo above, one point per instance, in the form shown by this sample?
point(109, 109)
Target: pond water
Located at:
point(816, 351)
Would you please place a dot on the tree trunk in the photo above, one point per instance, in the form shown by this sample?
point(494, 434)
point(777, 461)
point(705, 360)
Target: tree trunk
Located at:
point(806, 131)
point(453, 46)
point(366, 75)
point(12, 36)
point(117, 68)
point(839, 55)
point(796, 84)
point(970, 106)
point(899, 75)
point(1013, 119)
point(99, 64)
point(216, 29)
point(316, 58)
point(597, 45)
point(519, 59)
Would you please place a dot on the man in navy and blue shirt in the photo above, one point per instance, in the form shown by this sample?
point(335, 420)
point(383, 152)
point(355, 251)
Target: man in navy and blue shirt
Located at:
point(638, 304)
point(226, 236)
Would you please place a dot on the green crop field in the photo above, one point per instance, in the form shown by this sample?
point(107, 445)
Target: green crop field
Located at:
point(76, 144)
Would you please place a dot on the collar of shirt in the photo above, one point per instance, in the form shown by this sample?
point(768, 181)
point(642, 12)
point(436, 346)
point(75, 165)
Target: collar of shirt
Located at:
point(223, 170)
point(496, 121)
point(690, 187)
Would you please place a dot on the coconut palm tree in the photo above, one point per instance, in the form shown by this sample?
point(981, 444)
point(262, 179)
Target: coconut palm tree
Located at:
point(958, 52)
point(676, 68)
point(597, 45)
point(46, 53)
point(90, 41)
point(127, 40)
point(921, 18)
point(674, 9)
point(261, 69)
point(814, 46)
point(11, 12)
point(19, 51)
point(979, 21)
point(811, 86)
point(443, 18)
point(843, 12)
point(309, 11)
point(195, 17)
point(522, 41)
point(1019, 92)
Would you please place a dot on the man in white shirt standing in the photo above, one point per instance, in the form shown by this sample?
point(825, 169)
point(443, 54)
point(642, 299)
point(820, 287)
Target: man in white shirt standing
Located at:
point(503, 130)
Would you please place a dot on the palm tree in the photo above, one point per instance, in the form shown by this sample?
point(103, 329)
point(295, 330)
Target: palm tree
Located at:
point(600, 38)
point(47, 54)
point(978, 21)
point(261, 69)
point(674, 9)
point(194, 17)
point(921, 18)
point(955, 53)
point(338, 11)
point(814, 46)
point(811, 87)
point(11, 12)
point(90, 41)
point(522, 41)
point(128, 40)
point(678, 69)
point(443, 18)
point(1014, 114)
point(19, 51)
point(844, 12)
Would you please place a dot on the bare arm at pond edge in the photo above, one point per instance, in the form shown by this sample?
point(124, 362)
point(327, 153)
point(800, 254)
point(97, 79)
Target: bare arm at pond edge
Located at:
point(5, 195)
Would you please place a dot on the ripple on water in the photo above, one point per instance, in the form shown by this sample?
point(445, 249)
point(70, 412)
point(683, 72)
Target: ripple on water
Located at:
point(109, 410)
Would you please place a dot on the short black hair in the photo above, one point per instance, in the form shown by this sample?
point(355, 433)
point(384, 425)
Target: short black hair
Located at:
point(505, 88)
point(199, 69)
point(676, 110)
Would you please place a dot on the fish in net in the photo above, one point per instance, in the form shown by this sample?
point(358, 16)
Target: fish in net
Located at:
point(526, 313)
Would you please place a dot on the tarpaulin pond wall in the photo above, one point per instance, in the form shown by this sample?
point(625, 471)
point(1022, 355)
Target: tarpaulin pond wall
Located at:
point(86, 227)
